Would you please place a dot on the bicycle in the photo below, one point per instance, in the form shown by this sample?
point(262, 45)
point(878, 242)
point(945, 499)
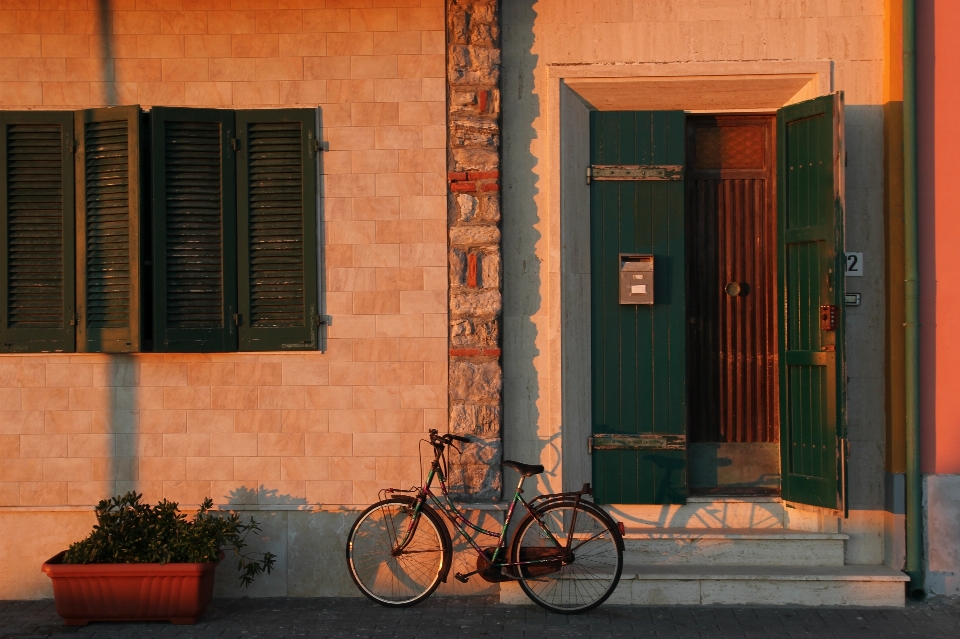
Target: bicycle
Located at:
point(566, 553)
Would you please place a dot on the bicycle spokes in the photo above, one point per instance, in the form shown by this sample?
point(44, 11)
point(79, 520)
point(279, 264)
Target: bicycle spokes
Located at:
point(580, 572)
point(393, 559)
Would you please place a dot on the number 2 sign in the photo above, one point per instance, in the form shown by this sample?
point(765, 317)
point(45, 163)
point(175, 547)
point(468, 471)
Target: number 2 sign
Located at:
point(854, 264)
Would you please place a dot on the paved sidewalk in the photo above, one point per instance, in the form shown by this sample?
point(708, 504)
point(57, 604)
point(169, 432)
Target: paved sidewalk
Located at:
point(482, 616)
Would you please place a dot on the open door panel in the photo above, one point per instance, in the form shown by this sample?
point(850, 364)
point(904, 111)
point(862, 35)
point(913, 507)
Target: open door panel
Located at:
point(810, 150)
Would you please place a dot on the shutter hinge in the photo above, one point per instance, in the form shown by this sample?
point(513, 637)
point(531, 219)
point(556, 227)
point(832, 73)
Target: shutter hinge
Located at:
point(320, 145)
point(235, 144)
point(590, 445)
point(238, 319)
point(321, 320)
point(76, 145)
point(73, 319)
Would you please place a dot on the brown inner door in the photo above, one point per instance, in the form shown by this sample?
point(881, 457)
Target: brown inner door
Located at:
point(733, 393)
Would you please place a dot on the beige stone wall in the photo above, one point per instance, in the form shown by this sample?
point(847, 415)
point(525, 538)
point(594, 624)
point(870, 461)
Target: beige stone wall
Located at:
point(327, 428)
point(545, 41)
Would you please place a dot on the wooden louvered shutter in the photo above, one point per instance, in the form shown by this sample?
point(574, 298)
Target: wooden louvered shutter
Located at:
point(194, 230)
point(108, 230)
point(36, 231)
point(277, 229)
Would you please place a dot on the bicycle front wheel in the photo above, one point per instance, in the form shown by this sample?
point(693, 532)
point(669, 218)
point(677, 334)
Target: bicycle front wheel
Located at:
point(575, 580)
point(396, 558)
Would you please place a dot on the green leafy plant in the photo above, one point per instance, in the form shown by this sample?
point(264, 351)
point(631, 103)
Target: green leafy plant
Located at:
point(131, 532)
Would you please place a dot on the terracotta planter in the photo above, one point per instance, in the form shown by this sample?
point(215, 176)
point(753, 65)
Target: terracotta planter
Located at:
point(178, 593)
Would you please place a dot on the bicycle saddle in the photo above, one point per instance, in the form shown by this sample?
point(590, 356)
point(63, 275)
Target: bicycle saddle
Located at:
point(524, 469)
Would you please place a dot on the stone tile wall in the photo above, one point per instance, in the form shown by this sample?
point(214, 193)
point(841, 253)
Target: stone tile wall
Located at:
point(326, 428)
point(473, 209)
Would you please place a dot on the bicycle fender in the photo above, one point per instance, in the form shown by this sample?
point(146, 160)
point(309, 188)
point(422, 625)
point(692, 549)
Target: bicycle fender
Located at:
point(447, 542)
point(561, 498)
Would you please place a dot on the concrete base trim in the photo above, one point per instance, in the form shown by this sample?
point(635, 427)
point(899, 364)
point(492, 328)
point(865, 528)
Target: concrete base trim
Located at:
point(729, 533)
point(766, 573)
point(874, 586)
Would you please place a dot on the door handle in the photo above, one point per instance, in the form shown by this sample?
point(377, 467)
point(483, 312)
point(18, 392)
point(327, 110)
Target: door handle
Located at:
point(737, 289)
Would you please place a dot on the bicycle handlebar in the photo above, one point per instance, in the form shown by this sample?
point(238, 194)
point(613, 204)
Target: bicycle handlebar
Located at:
point(436, 438)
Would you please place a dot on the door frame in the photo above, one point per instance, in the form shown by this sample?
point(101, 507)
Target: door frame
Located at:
point(565, 425)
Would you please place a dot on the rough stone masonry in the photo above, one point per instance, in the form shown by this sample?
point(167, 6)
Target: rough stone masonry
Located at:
point(473, 209)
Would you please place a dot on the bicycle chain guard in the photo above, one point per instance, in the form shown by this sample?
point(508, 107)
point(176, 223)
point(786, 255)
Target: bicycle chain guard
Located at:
point(487, 571)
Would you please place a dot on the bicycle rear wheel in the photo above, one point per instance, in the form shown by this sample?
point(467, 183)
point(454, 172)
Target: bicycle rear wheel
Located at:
point(575, 581)
point(393, 577)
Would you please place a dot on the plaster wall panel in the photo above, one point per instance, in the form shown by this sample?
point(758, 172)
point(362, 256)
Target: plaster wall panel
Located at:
point(941, 501)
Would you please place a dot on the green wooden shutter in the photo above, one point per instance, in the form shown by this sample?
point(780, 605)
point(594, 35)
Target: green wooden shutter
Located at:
point(36, 232)
point(811, 276)
point(277, 229)
point(108, 230)
point(194, 230)
point(638, 351)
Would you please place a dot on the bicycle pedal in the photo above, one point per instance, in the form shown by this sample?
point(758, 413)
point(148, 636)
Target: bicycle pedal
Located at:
point(462, 578)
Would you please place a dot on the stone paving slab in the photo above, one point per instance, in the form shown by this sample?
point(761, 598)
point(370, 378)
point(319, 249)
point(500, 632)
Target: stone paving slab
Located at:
point(484, 617)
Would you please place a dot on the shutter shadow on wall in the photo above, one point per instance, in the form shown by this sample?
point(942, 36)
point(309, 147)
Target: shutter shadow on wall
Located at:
point(277, 229)
point(36, 232)
point(108, 230)
point(194, 230)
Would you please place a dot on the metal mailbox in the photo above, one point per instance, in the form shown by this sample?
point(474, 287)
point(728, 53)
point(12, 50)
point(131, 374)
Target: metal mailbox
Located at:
point(636, 278)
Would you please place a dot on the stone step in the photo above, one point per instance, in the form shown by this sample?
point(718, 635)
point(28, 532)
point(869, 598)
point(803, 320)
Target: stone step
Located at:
point(871, 586)
point(732, 546)
point(725, 513)
point(704, 512)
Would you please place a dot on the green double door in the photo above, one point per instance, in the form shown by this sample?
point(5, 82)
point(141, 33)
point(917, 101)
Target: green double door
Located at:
point(639, 362)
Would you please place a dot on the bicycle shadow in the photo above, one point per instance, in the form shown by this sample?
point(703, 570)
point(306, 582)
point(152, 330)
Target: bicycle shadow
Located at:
point(465, 556)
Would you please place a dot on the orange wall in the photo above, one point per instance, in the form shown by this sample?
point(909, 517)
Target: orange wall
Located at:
point(938, 64)
point(330, 427)
point(893, 222)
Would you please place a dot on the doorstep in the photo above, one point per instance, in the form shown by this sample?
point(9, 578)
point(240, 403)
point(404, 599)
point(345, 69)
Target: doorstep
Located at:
point(873, 586)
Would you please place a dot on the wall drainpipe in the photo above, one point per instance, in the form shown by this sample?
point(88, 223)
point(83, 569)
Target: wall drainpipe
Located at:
point(914, 496)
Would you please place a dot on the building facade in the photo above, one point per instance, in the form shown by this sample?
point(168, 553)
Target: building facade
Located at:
point(465, 184)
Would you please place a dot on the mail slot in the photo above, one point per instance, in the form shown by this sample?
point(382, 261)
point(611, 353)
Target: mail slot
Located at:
point(636, 278)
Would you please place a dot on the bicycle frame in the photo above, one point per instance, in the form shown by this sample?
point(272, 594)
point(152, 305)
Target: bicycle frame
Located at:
point(462, 524)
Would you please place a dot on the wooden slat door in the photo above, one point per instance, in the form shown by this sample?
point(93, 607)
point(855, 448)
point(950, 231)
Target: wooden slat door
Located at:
point(811, 281)
point(638, 356)
point(732, 279)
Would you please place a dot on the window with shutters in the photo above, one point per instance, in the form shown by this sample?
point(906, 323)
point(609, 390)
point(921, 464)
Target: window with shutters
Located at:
point(192, 230)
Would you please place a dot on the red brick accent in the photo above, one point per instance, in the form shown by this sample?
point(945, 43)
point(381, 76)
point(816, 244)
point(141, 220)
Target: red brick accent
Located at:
point(472, 270)
point(463, 187)
point(489, 187)
point(482, 98)
point(483, 175)
point(474, 352)
point(457, 176)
